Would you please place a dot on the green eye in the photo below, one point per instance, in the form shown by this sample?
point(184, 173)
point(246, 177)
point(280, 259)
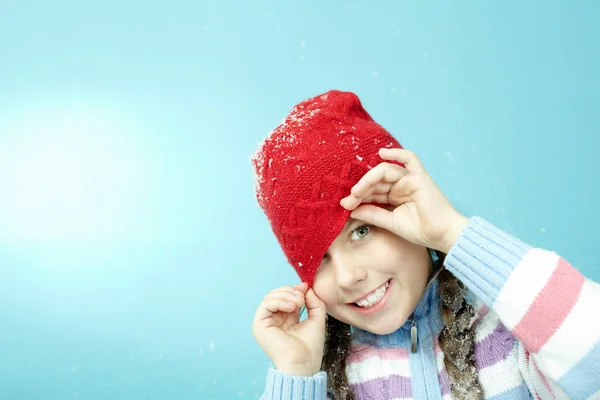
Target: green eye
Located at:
point(361, 232)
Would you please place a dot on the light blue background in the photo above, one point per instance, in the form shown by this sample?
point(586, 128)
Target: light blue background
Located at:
point(132, 251)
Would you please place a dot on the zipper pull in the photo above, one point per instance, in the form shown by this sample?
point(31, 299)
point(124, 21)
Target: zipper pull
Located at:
point(413, 335)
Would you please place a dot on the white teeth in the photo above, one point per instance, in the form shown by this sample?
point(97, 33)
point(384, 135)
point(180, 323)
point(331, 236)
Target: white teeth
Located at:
point(374, 297)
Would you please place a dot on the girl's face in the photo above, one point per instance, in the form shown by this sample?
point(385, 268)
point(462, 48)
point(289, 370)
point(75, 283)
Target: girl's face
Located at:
point(366, 260)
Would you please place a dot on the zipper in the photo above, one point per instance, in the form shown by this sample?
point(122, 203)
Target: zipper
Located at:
point(424, 363)
point(429, 385)
point(413, 324)
point(413, 334)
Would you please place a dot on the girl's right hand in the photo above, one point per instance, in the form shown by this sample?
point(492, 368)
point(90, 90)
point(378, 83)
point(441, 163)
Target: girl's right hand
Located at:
point(295, 347)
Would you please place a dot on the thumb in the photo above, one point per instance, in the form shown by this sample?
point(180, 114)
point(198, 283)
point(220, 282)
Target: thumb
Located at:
point(375, 215)
point(315, 307)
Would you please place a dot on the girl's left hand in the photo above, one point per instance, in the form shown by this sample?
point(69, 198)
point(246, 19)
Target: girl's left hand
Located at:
point(420, 212)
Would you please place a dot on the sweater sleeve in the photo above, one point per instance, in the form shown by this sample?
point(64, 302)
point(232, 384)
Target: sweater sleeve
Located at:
point(280, 386)
point(542, 299)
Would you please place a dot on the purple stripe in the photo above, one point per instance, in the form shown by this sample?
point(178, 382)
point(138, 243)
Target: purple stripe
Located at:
point(444, 382)
point(383, 388)
point(494, 348)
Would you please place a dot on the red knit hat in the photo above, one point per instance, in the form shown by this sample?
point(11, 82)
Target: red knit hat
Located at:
point(307, 165)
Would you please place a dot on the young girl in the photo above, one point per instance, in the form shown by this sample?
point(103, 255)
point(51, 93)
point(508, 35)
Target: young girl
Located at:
point(405, 297)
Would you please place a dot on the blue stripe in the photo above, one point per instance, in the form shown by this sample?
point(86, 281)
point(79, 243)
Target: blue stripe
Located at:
point(280, 388)
point(483, 257)
point(464, 264)
point(518, 393)
point(582, 380)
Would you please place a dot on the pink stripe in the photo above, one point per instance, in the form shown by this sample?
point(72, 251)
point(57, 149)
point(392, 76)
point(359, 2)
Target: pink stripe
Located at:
point(361, 353)
point(551, 307)
point(444, 381)
point(436, 346)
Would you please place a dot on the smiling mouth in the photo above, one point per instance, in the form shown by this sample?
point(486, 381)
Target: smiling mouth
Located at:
point(374, 297)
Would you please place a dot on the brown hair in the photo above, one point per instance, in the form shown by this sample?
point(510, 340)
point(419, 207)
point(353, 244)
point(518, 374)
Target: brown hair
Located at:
point(456, 340)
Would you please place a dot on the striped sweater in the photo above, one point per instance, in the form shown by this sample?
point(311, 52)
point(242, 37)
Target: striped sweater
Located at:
point(535, 334)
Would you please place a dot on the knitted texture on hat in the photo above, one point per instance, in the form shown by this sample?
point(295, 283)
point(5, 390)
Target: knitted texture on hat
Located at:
point(307, 165)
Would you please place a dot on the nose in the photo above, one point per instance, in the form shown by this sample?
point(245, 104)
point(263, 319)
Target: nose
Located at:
point(348, 270)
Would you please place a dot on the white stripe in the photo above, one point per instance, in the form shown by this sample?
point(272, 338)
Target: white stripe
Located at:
point(523, 285)
point(439, 359)
point(576, 336)
point(375, 367)
point(486, 326)
point(501, 376)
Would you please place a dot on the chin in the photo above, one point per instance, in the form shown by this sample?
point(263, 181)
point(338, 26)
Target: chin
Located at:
point(384, 328)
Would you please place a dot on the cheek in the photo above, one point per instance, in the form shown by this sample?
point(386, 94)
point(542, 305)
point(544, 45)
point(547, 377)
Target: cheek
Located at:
point(410, 266)
point(324, 290)
point(329, 300)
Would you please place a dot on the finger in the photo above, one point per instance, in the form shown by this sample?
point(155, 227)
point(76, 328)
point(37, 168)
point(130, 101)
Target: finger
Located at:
point(383, 172)
point(377, 198)
point(406, 186)
point(379, 194)
point(287, 289)
point(374, 215)
point(296, 298)
point(382, 187)
point(267, 308)
point(394, 200)
point(406, 157)
point(315, 307)
point(302, 286)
